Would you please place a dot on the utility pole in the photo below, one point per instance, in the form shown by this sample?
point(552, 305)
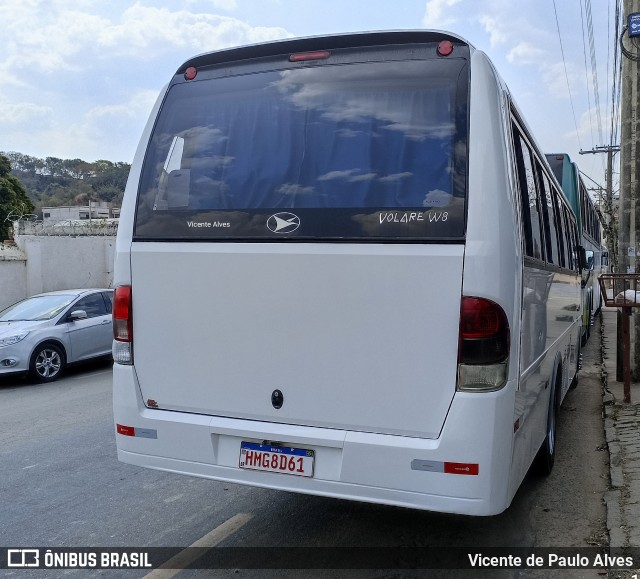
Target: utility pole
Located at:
point(609, 222)
point(629, 234)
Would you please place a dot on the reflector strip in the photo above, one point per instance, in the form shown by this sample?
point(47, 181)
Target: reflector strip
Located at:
point(461, 468)
point(125, 430)
point(138, 432)
point(446, 467)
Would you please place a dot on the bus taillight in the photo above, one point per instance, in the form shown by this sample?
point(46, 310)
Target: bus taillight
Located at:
point(483, 347)
point(122, 325)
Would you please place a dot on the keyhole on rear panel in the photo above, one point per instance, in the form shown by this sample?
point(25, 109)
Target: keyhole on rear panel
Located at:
point(277, 399)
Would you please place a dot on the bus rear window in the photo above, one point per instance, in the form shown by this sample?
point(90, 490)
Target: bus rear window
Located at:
point(362, 151)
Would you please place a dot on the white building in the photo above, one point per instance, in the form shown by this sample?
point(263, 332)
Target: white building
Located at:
point(98, 210)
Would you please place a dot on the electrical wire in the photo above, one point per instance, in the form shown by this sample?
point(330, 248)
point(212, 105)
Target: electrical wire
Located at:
point(586, 75)
point(566, 75)
point(594, 68)
point(617, 76)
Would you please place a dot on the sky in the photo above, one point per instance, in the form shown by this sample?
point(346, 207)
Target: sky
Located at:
point(78, 78)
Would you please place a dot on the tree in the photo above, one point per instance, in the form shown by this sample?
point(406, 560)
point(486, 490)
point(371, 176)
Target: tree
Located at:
point(54, 181)
point(14, 201)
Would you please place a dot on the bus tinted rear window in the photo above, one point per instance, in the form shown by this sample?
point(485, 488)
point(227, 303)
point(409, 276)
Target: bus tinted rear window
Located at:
point(369, 151)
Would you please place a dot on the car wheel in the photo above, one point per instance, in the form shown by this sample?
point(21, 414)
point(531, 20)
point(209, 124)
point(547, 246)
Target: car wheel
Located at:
point(47, 363)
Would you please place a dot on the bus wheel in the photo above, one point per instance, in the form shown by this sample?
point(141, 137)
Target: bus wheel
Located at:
point(574, 381)
point(587, 332)
point(546, 456)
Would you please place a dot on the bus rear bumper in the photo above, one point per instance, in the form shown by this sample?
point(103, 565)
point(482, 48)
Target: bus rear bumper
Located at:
point(377, 468)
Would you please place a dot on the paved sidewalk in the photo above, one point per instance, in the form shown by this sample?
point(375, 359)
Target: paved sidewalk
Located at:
point(622, 430)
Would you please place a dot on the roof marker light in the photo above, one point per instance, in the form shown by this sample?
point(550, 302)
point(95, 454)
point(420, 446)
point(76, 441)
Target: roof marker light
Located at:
point(190, 73)
point(302, 56)
point(445, 48)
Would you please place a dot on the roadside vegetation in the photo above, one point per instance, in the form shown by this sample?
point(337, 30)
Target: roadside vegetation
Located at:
point(52, 182)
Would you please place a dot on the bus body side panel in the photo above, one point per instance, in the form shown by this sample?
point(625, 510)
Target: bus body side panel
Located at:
point(542, 306)
point(493, 260)
point(550, 332)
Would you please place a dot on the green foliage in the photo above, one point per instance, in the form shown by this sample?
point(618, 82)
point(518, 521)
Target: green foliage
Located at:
point(53, 182)
point(13, 198)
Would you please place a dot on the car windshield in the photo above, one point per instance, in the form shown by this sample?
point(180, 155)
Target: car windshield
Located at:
point(36, 308)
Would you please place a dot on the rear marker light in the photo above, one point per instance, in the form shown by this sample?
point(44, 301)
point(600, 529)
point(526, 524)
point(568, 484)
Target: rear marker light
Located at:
point(445, 48)
point(302, 56)
point(190, 73)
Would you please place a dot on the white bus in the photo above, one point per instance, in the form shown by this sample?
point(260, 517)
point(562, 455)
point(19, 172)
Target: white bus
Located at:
point(590, 227)
point(344, 268)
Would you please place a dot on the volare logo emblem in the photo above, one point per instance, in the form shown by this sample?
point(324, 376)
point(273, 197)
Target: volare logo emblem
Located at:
point(283, 223)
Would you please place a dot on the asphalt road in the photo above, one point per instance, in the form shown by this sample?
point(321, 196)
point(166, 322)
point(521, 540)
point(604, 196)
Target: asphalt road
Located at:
point(62, 486)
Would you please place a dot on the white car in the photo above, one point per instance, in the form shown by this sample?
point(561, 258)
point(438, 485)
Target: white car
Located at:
point(42, 334)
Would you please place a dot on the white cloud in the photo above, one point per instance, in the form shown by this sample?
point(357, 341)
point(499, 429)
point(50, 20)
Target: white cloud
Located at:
point(555, 79)
point(395, 177)
point(71, 39)
point(22, 112)
point(228, 5)
point(159, 30)
point(495, 28)
point(338, 175)
point(141, 101)
point(525, 53)
point(435, 13)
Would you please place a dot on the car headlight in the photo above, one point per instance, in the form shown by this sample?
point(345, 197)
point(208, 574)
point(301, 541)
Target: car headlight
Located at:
point(9, 341)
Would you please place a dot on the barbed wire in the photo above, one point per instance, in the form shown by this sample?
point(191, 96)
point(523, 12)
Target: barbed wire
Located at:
point(31, 224)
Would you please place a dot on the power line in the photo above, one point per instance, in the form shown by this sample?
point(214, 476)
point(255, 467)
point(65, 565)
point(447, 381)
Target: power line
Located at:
point(594, 68)
point(617, 76)
point(586, 76)
point(566, 75)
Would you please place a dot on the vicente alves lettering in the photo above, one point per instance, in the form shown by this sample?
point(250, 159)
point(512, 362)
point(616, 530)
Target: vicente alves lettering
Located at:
point(207, 224)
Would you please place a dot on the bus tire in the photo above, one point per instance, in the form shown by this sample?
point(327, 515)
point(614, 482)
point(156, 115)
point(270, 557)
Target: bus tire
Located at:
point(545, 459)
point(574, 380)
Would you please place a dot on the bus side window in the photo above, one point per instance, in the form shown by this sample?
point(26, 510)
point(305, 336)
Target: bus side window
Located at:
point(550, 233)
point(570, 239)
point(528, 196)
point(557, 211)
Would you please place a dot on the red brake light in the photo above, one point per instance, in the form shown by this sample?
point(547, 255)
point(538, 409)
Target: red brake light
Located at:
point(122, 315)
point(190, 73)
point(484, 332)
point(302, 56)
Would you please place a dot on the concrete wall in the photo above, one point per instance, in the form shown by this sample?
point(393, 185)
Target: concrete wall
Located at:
point(13, 275)
point(52, 263)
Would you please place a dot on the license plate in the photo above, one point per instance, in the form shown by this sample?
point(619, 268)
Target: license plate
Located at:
point(282, 459)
